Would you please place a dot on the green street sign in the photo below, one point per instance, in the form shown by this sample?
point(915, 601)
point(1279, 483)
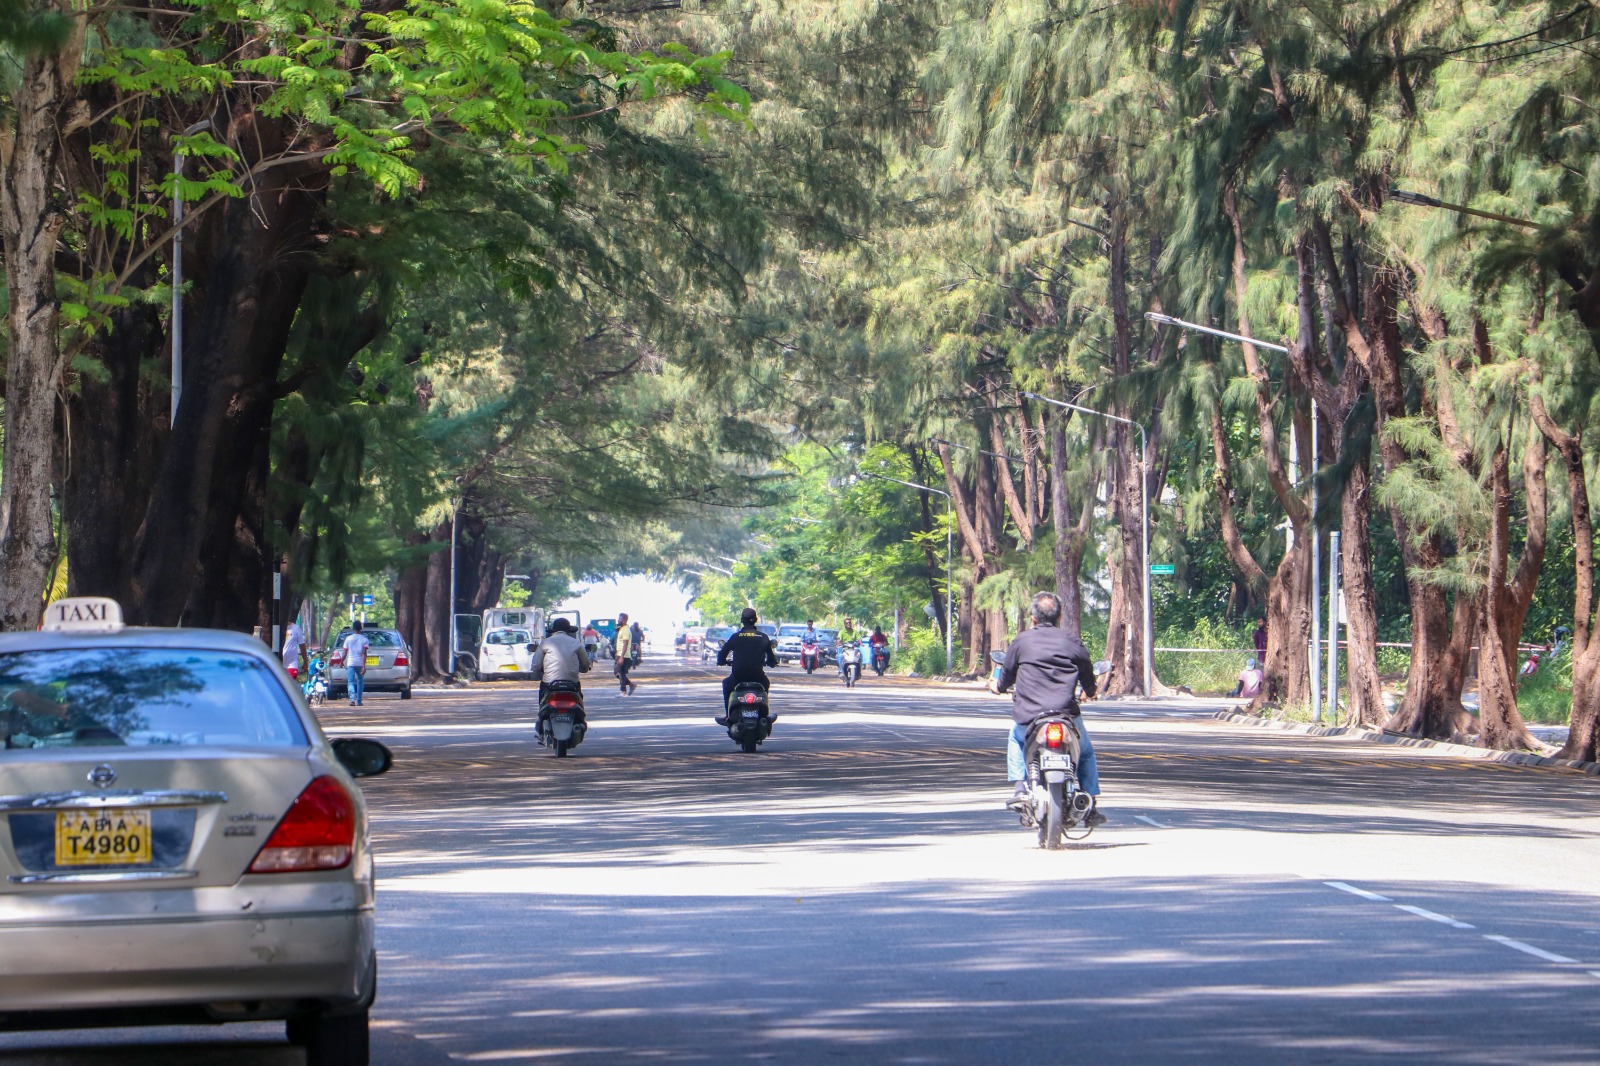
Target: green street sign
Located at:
point(1164, 569)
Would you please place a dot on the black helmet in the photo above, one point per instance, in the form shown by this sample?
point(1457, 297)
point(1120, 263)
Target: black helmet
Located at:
point(748, 616)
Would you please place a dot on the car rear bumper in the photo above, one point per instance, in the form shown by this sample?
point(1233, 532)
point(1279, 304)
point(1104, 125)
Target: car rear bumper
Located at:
point(222, 962)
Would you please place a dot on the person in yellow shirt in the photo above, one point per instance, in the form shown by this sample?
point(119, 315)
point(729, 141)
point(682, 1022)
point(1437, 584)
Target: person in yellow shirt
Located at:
point(624, 650)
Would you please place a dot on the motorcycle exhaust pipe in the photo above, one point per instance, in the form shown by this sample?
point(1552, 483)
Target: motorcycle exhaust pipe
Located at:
point(1080, 804)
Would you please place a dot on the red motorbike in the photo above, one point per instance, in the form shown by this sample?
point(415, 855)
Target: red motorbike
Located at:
point(810, 655)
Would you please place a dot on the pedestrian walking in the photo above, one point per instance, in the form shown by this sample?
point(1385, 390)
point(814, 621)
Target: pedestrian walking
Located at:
point(355, 662)
point(294, 650)
point(624, 651)
point(1261, 640)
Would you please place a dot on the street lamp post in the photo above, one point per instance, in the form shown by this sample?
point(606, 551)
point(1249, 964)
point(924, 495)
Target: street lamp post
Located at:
point(949, 564)
point(177, 273)
point(1144, 514)
point(1316, 552)
point(1417, 199)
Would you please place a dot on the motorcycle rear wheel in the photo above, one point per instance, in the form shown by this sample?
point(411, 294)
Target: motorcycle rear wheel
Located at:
point(1054, 824)
point(562, 746)
point(749, 744)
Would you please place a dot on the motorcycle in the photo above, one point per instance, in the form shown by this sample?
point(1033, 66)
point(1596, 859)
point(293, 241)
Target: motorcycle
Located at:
point(562, 717)
point(810, 657)
point(880, 658)
point(315, 685)
point(850, 663)
point(1054, 802)
point(749, 718)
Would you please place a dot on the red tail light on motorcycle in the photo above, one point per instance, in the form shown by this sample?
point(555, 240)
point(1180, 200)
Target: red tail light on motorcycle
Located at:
point(561, 701)
point(1055, 735)
point(751, 697)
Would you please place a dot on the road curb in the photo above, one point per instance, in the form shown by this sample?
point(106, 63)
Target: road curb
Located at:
point(1377, 736)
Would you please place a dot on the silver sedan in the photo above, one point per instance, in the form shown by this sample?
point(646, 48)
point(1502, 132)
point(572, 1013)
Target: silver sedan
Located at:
point(179, 842)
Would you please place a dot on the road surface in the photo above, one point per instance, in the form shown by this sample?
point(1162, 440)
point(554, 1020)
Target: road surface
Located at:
point(854, 893)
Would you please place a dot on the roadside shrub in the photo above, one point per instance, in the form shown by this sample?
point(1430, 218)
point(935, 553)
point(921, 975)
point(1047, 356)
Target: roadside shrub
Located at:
point(1212, 670)
point(1546, 697)
point(922, 650)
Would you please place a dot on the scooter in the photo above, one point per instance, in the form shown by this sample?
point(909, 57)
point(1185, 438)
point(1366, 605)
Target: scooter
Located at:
point(315, 685)
point(880, 658)
point(810, 657)
point(749, 718)
point(1054, 802)
point(850, 663)
point(561, 714)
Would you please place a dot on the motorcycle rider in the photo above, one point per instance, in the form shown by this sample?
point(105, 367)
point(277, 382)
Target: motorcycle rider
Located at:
point(751, 651)
point(847, 635)
point(810, 637)
point(1047, 664)
point(876, 641)
point(560, 657)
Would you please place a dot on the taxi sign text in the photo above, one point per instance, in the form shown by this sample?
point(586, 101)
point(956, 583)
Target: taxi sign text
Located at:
point(83, 612)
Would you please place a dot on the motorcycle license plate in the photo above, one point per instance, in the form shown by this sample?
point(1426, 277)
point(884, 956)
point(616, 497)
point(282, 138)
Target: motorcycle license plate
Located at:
point(752, 714)
point(1051, 760)
point(103, 838)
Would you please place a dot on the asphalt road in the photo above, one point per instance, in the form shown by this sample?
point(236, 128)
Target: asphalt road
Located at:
point(854, 893)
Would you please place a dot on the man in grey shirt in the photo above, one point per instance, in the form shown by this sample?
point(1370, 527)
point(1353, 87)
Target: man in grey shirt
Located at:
point(560, 657)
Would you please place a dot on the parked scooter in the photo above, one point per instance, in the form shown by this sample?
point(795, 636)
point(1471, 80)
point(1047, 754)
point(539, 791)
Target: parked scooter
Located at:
point(810, 654)
point(561, 714)
point(850, 663)
point(315, 685)
point(749, 718)
point(880, 658)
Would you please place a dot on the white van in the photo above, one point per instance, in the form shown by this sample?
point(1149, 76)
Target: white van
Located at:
point(500, 643)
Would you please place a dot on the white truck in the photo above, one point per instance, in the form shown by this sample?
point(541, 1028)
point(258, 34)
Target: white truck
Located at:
point(499, 643)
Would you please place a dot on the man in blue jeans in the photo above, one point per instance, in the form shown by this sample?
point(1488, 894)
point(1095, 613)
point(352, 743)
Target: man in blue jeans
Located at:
point(355, 663)
point(1047, 665)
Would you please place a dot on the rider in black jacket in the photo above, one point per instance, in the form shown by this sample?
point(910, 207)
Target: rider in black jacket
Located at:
point(751, 652)
point(1047, 665)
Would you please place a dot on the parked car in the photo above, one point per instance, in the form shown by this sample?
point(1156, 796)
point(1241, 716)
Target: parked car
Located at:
point(505, 652)
point(179, 841)
point(693, 637)
point(388, 664)
point(712, 643)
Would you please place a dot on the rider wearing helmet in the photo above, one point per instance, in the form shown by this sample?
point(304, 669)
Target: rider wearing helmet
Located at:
point(751, 652)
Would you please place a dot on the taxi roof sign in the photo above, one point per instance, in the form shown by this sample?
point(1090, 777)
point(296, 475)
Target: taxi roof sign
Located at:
point(82, 614)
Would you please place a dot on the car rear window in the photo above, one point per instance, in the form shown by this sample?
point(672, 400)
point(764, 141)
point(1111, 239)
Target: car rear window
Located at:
point(142, 697)
point(376, 638)
point(791, 631)
point(508, 636)
point(719, 632)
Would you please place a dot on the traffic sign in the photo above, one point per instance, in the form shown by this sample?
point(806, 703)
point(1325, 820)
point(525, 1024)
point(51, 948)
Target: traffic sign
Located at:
point(366, 600)
point(1165, 569)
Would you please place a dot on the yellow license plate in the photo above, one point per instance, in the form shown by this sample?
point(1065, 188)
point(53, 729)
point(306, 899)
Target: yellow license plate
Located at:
point(103, 838)
point(373, 660)
point(509, 666)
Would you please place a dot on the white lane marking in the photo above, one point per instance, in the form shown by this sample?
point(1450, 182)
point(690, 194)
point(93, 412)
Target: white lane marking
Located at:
point(1434, 916)
point(1151, 821)
point(1354, 891)
point(1528, 949)
point(1594, 973)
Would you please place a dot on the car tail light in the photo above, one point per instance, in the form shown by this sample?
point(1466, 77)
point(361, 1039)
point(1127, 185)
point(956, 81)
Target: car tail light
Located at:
point(338, 658)
point(316, 833)
point(1055, 735)
point(402, 659)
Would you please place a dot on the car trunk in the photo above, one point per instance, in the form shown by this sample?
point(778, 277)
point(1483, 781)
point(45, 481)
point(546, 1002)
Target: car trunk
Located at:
point(109, 815)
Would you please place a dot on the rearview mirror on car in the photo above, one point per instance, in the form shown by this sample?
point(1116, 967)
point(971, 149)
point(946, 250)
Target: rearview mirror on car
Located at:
point(363, 758)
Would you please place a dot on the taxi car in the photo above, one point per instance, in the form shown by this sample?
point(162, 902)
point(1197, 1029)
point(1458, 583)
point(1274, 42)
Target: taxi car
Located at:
point(388, 664)
point(506, 652)
point(179, 841)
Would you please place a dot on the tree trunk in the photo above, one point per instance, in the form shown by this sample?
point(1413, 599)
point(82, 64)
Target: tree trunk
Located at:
point(1125, 642)
point(1071, 538)
point(31, 217)
point(1364, 687)
point(935, 593)
point(1500, 725)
